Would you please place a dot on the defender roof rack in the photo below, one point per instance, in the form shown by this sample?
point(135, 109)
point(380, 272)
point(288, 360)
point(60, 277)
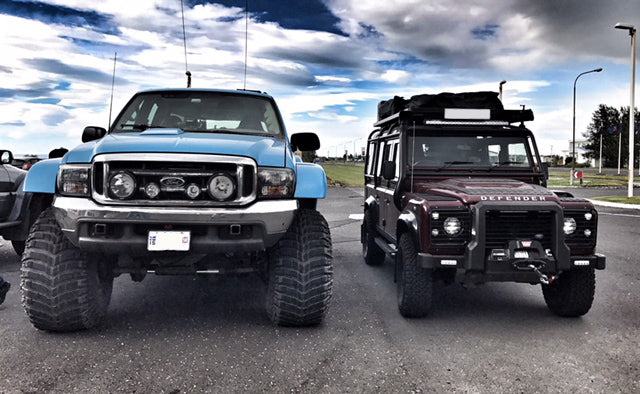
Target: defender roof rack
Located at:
point(459, 115)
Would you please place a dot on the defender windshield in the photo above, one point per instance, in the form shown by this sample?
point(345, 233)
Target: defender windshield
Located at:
point(205, 112)
point(470, 151)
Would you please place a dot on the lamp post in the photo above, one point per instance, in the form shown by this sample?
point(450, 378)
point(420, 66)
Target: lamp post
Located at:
point(573, 148)
point(500, 88)
point(632, 33)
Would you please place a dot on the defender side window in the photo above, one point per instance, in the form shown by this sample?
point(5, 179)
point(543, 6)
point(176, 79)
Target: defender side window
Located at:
point(370, 158)
point(383, 151)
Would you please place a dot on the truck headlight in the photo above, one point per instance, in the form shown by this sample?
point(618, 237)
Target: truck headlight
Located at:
point(275, 182)
point(221, 187)
point(569, 226)
point(452, 226)
point(122, 185)
point(73, 179)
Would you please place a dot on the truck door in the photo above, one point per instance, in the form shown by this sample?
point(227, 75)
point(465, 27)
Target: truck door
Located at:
point(391, 212)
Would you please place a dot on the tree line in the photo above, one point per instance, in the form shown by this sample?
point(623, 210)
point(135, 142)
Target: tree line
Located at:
point(611, 123)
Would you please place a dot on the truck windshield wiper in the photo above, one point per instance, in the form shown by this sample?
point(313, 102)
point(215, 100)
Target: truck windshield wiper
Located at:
point(452, 163)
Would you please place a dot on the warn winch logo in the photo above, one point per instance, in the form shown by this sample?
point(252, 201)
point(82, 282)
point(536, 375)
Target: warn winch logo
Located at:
point(513, 198)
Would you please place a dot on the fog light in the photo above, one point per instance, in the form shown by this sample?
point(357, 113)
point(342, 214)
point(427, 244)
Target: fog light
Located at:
point(122, 185)
point(587, 233)
point(435, 232)
point(152, 190)
point(452, 226)
point(193, 191)
point(569, 226)
point(588, 216)
point(435, 216)
point(221, 187)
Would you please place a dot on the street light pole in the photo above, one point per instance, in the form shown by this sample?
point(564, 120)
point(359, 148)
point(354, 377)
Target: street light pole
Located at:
point(573, 154)
point(632, 33)
point(600, 161)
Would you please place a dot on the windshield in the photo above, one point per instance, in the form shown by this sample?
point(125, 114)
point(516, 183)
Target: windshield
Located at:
point(206, 112)
point(470, 151)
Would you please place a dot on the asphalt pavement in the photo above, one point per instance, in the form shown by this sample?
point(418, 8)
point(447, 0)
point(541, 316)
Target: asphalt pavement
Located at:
point(210, 334)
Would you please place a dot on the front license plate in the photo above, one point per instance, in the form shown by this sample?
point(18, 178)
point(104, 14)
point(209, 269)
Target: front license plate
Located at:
point(168, 240)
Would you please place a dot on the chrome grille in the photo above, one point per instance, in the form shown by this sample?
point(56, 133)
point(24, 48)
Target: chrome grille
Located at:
point(186, 169)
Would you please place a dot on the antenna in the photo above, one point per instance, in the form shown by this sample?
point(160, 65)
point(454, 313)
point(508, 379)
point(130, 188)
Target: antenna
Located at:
point(246, 39)
point(184, 39)
point(113, 80)
point(413, 153)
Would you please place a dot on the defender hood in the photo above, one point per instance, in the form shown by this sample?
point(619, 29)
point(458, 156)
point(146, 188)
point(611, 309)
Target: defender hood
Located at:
point(471, 191)
point(266, 151)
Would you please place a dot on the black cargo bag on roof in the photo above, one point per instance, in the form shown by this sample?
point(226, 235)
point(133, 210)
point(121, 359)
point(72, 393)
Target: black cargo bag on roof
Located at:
point(389, 107)
point(481, 100)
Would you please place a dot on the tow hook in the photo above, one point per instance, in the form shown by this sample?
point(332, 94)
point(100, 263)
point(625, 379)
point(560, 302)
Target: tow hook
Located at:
point(544, 279)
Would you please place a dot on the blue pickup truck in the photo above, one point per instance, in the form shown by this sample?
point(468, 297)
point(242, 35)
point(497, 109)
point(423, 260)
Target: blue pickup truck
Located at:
point(185, 182)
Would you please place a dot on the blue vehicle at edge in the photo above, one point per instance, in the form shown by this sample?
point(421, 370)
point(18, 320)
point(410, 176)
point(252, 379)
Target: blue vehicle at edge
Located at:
point(185, 182)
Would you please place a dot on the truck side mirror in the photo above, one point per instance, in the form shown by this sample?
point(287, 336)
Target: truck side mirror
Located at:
point(545, 169)
point(388, 170)
point(305, 142)
point(6, 157)
point(92, 133)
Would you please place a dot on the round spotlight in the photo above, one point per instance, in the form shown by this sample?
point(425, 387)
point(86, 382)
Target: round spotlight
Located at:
point(152, 190)
point(193, 191)
point(588, 216)
point(221, 187)
point(435, 216)
point(122, 185)
point(569, 226)
point(452, 226)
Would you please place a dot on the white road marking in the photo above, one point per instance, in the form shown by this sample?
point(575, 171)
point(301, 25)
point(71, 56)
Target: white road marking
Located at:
point(619, 214)
point(356, 216)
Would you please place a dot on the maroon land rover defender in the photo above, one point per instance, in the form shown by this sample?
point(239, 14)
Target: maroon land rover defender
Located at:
point(455, 190)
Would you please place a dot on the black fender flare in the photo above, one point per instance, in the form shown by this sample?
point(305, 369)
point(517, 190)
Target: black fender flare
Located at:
point(408, 222)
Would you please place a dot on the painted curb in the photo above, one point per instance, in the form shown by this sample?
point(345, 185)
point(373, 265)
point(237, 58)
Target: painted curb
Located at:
point(614, 204)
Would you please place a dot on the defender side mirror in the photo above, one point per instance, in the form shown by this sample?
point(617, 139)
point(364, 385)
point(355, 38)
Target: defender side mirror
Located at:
point(388, 170)
point(305, 142)
point(92, 133)
point(545, 170)
point(6, 157)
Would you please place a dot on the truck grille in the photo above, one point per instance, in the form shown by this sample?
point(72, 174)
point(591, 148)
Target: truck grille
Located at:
point(503, 226)
point(172, 174)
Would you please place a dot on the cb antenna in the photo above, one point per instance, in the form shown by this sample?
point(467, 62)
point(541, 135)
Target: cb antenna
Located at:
point(113, 80)
point(246, 39)
point(184, 39)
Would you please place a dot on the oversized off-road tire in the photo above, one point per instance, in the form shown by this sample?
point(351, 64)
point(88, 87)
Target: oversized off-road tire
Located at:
point(63, 288)
point(18, 246)
point(301, 272)
point(414, 283)
point(372, 253)
point(571, 295)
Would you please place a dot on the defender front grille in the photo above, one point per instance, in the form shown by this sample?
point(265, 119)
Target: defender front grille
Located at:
point(181, 170)
point(504, 226)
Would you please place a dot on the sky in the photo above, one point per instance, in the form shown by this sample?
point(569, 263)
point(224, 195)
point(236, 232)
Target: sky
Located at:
point(326, 62)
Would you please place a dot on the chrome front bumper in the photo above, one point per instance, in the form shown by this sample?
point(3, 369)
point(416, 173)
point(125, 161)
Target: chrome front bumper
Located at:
point(122, 228)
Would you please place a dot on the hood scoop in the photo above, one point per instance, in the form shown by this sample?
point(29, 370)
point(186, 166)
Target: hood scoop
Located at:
point(163, 131)
point(494, 187)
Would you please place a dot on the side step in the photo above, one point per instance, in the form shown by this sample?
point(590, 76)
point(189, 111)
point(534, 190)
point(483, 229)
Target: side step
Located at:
point(388, 248)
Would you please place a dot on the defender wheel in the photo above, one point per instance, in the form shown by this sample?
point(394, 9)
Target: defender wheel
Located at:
point(571, 295)
point(301, 272)
point(63, 288)
point(414, 283)
point(372, 253)
point(18, 246)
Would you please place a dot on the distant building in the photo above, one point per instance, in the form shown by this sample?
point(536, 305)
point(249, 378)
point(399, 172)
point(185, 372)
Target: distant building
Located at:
point(581, 151)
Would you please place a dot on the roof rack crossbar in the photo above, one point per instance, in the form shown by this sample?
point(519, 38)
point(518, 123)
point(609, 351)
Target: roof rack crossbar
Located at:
point(506, 115)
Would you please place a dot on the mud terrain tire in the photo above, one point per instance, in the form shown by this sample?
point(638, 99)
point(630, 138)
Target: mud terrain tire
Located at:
point(301, 272)
point(372, 253)
point(414, 283)
point(571, 295)
point(63, 288)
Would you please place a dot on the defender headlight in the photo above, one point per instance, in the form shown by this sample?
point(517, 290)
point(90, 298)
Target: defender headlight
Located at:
point(122, 185)
point(452, 226)
point(569, 226)
point(275, 182)
point(221, 187)
point(73, 179)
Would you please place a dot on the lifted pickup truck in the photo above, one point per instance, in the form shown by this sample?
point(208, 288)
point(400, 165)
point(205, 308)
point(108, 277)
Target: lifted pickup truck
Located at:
point(186, 181)
point(456, 192)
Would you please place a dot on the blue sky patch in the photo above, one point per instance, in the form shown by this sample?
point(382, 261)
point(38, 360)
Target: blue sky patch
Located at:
point(485, 32)
point(45, 100)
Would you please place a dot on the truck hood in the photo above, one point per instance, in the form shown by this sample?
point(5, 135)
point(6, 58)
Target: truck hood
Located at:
point(266, 151)
point(471, 191)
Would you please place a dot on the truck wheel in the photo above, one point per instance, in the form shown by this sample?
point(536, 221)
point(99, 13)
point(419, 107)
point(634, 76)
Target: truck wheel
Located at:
point(18, 246)
point(571, 295)
point(301, 272)
point(372, 253)
point(63, 288)
point(414, 283)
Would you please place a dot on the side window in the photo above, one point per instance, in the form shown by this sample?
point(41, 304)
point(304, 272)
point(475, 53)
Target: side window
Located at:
point(383, 151)
point(370, 158)
point(396, 157)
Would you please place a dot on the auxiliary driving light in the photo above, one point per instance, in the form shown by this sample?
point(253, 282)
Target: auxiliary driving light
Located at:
point(221, 187)
point(452, 226)
point(122, 185)
point(588, 216)
point(152, 190)
point(569, 226)
point(192, 191)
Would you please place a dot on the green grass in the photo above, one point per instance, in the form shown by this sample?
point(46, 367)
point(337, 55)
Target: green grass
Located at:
point(619, 199)
point(589, 180)
point(345, 174)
